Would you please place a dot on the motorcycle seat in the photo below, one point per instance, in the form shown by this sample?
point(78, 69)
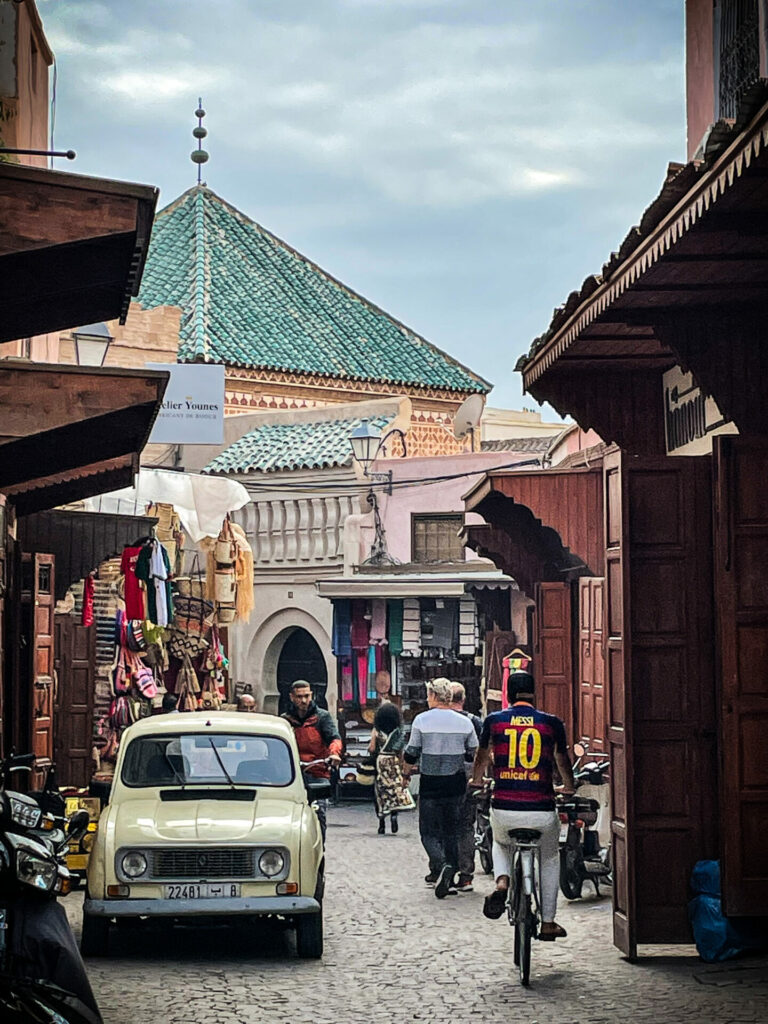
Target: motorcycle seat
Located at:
point(525, 835)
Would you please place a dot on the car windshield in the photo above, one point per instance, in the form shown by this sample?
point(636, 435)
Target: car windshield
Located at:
point(207, 758)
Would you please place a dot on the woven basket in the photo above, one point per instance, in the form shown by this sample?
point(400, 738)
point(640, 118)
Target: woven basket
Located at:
point(225, 586)
point(225, 613)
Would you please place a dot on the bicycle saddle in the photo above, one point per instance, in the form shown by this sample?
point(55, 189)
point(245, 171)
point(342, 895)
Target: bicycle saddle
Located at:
point(525, 835)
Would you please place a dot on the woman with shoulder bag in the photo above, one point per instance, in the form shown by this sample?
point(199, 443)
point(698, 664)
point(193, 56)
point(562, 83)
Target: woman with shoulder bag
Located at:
point(387, 744)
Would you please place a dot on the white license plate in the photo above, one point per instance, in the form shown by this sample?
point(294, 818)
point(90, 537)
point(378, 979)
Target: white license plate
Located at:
point(201, 891)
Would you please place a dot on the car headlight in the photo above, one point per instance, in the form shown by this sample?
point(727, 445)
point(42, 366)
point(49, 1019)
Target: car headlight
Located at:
point(23, 813)
point(34, 871)
point(271, 863)
point(133, 864)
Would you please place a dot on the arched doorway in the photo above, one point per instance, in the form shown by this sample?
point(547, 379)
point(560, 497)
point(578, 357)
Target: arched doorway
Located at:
point(301, 658)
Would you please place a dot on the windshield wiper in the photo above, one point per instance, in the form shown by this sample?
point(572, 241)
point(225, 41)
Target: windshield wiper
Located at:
point(174, 769)
point(228, 777)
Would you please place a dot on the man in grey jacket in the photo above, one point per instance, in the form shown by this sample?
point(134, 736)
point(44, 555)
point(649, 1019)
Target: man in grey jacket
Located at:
point(442, 742)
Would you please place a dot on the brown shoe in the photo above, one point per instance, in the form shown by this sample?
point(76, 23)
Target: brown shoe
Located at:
point(551, 930)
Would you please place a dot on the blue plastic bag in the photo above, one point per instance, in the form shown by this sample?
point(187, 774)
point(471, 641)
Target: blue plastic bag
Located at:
point(718, 937)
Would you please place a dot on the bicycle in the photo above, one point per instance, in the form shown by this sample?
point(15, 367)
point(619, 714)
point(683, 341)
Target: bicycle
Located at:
point(523, 899)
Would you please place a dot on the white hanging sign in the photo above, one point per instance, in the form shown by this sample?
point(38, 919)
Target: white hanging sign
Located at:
point(193, 407)
point(691, 418)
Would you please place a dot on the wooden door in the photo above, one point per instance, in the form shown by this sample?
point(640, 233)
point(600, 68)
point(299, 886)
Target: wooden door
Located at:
point(73, 715)
point(41, 675)
point(590, 721)
point(741, 545)
point(553, 658)
point(659, 650)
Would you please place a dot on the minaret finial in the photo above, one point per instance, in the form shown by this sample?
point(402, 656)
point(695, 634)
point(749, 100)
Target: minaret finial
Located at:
point(199, 156)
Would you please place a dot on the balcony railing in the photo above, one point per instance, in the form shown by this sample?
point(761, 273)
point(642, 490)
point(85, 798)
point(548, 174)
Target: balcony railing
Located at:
point(739, 52)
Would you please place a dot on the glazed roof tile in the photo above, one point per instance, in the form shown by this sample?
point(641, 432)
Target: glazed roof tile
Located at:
point(249, 300)
point(535, 445)
point(286, 446)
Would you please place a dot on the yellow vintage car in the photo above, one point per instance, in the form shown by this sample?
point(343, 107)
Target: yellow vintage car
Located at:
point(208, 815)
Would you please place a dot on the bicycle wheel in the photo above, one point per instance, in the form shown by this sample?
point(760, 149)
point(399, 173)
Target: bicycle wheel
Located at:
point(523, 929)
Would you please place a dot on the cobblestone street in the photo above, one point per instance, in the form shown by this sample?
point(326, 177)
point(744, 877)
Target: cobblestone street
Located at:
point(394, 953)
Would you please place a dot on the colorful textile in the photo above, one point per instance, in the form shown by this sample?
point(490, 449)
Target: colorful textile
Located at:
point(378, 633)
point(497, 647)
point(523, 742)
point(371, 689)
point(395, 627)
point(347, 681)
point(517, 661)
point(361, 674)
point(134, 596)
point(87, 617)
point(359, 628)
point(341, 642)
point(149, 560)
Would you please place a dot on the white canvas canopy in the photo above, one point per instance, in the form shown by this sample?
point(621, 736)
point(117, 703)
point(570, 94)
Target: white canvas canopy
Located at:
point(202, 502)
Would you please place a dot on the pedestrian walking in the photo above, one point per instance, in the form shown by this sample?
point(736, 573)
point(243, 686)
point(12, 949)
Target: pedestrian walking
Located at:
point(441, 742)
point(466, 844)
point(386, 746)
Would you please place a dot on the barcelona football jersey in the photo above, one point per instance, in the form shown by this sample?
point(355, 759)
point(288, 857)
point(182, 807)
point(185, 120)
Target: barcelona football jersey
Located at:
point(523, 742)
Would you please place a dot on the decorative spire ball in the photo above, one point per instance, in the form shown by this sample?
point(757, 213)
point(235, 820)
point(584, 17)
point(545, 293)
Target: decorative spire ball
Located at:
point(199, 156)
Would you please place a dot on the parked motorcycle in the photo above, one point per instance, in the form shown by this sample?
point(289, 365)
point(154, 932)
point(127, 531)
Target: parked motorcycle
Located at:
point(42, 976)
point(582, 858)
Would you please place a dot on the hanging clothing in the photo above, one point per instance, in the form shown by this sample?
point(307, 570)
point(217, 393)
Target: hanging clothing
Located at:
point(153, 558)
point(359, 629)
point(341, 643)
point(347, 681)
point(371, 689)
point(515, 661)
point(395, 626)
point(378, 621)
point(497, 645)
point(135, 606)
point(244, 601)
point(87, 617)
point(361, 674)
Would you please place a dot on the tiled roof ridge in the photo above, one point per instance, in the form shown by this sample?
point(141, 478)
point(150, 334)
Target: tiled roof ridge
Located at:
point(678, 181)
point(201, 192)
point(200, 278)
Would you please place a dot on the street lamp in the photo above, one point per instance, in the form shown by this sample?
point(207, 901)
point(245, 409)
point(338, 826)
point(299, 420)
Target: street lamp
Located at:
point(91, 344)
point(367, 441)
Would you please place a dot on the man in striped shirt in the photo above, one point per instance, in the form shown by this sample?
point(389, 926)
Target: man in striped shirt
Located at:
point(442, 741)
point(526, 745)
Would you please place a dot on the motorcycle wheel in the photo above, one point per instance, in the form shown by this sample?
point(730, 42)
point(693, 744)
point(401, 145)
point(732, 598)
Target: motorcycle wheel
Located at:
point(571, 878)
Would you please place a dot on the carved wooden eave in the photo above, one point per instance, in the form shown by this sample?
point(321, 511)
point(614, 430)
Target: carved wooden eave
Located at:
point(690, 291)
point(72, 248)
point(72, 432)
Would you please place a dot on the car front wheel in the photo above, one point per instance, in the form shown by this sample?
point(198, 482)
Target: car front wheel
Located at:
point(94, 940)
point(309, 935)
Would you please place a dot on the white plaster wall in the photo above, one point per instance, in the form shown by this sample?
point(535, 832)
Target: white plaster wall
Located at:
point(255, 647)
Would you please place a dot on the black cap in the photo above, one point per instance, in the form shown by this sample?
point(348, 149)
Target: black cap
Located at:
point(520, 682)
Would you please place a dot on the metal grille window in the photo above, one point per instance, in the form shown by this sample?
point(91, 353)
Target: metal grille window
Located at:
point(737, 51)
point(434, 538)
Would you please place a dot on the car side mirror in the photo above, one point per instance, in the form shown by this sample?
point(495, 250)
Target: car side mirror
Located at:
point(317, 789)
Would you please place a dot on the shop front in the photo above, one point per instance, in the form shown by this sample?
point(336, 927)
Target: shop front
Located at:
point(395, 629)
point(664, 355)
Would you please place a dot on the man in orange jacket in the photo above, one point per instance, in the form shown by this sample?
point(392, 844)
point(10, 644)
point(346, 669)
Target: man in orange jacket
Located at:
point(316, 733)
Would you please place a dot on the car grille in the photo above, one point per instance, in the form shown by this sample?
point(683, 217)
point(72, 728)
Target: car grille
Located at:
point(204, 864)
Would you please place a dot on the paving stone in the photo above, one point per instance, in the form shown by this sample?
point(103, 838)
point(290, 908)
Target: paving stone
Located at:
point(443, 962)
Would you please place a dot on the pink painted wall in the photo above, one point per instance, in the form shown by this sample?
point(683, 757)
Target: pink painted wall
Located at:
point(443, 496)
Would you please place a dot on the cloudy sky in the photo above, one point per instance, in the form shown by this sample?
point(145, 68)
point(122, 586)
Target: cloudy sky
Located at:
point(462, 163)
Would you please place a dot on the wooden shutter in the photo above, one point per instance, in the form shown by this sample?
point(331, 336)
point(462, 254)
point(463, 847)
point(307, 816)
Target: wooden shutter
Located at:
point(41, 698)
point(659, 671)
point(590, 725)
point(75, 671)
point(741, 545)
point(553, 661)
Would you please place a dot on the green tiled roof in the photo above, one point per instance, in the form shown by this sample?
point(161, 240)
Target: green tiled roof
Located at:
point(279, 446)
point(249, 300)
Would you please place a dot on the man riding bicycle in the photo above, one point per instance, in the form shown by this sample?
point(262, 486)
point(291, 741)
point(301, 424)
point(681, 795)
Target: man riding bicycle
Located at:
point(525, 745)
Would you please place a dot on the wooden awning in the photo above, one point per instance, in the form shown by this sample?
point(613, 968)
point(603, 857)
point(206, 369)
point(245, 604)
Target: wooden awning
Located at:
point(72, 248)
point(687, 286)
point(95, 423)
point(540, 526)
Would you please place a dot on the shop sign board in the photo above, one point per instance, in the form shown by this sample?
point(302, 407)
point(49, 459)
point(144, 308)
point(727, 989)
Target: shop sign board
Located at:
point(193, 407)
point(691, 418)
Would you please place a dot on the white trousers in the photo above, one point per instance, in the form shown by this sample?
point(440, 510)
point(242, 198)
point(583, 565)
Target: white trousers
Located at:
point(546, 822)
